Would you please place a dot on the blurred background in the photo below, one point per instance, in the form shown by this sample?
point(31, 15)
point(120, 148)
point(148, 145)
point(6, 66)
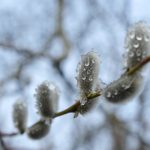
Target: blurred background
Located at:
point(43, 40)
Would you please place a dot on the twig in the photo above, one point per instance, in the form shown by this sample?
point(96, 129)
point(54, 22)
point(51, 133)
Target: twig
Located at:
point(9, 134)
point(73, 108)
point(138, 66)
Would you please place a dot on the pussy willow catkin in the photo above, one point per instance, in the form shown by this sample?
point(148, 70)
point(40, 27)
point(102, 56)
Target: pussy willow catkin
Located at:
point(20, 115)
point(38, 130)
point(124, 88)
point(137, 43)
point(47, 96)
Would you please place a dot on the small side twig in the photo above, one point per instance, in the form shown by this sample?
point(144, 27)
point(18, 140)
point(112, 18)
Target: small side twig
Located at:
point(9, 134)
point(73, 108)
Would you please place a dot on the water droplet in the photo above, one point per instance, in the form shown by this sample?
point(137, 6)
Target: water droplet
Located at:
point(90, 78)
point(127, 86)
point(52, 87)
point(115, 92)
point(146, 38)
point(88, 72)
point(132, 35)
point(108, 95)
point(139, 38)
point(138, 53)
point(87, 62)
point(131, 54)
point(136, 45)
point(84, 77)
point(93, 61)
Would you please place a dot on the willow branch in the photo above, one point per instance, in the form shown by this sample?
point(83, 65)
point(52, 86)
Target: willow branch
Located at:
point(73, 108)
point(9, 134)
point(138, 66)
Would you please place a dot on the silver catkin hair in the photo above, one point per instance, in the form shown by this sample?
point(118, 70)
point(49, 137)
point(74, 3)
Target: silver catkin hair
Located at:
point(47, 96)
point(87, 73)
point(137, 43)
point(38, 130)
point(20, 115)
point(123, 89)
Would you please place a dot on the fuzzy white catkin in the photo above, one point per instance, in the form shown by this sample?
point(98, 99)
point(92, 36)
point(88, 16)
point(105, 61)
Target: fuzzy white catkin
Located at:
point(125, 88)
point(137, 43)
point(87, 72)
point(90, 103)
point(47, 95)
point(88, 106)
point(38, 130)
point(20, 115)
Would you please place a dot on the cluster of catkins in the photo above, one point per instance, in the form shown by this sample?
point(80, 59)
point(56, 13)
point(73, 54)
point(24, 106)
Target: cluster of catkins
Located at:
point(137, 44)
point(47, 96)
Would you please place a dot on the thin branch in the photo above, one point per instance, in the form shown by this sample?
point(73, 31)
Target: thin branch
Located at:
point(9, 134)
point(73, 108)
point(70, 109)
point(138, 66)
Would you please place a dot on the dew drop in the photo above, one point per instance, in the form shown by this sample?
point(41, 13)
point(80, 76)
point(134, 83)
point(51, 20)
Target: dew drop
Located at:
point(88, 72)
point(138, 53)
point(84, 77)
point(146, 38)
point(87, 62)
point(93, 61)
point(90, 78)
point(139, 38)
point(108, 95)
point(131, 54)
point(132, 35)
point(136, 45)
